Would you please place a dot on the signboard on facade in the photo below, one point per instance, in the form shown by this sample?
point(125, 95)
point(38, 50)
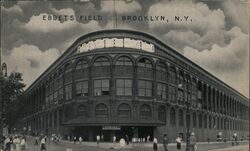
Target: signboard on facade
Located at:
point(116, 42)
point(111, 128)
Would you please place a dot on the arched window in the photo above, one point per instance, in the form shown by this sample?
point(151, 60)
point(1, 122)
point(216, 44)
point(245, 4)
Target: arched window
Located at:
point(81, 69)
point(101, 110)
point(101, 61)
point(124, 110)
point(200, 121)
point(145, 63)
point(123, 61)
point(82, 110)
point(161, 71)
point(145, 68)
point(124, 67)
point(145, 111)
point(162, 114)
point(101, 67)
point(194, 120)
point(172, 117)
point(180, 118)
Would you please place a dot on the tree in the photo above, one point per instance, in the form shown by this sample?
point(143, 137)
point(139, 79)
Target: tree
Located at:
point(12, 89)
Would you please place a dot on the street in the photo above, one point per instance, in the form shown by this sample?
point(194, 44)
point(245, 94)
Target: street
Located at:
point(105, 146)
point(234, 148)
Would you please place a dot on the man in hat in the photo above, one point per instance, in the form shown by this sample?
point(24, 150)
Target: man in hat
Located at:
point(165, 142)
point(192, 142)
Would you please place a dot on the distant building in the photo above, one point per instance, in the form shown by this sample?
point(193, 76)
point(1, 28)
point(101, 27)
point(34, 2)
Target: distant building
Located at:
point(118, 82)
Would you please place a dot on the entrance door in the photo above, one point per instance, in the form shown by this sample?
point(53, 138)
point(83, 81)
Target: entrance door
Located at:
point(145, 131)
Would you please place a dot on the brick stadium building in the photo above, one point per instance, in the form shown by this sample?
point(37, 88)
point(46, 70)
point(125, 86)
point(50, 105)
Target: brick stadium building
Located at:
point(117, 82)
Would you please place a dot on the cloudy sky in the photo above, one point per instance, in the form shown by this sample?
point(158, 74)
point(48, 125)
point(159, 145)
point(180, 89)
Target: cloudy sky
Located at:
point(217, 38)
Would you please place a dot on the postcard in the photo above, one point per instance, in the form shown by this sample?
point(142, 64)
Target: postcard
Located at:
point(124, 75)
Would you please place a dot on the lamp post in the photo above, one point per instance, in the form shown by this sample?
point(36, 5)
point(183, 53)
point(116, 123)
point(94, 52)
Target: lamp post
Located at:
point(226, 127)
point(187, 116)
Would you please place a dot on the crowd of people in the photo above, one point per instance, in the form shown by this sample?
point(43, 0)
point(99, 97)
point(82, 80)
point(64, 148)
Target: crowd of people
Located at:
point(19, 143)
point(14, 143)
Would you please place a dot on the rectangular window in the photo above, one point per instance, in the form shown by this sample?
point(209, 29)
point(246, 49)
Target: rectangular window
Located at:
point(55, 97)
point(82, 88)
point(194, 100)
point(47, 101)
point(172, 77)
point(180, 96)
point(68, 92)
point(101, 87)
point(162, 90)
point(51, 87)
point(145, 88)
point(171, 93)
point(60, 81)
point(60, 94)
point(123, 87)
point(51, 99)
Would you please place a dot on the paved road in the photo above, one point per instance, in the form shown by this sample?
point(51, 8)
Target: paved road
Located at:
point(234, 148)
point(92, 146)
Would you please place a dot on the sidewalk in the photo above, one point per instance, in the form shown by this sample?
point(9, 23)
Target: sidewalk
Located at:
point(110, 145)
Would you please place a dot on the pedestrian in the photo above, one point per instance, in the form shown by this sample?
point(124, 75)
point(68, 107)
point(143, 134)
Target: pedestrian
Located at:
point(178, 141)
point(122, 143)
point(165, 142)
point(102, 138)
point(143, 141)
point(68, 138)
point(14, 143)
point(18, 142)
point(148, 138)
point(127, 139)
point(43, 144)
point(7, 144)
point(155, 144)
point(36, 141)
point(80, 140)
point(74, 139)
point(97, 139)
point(23, 143)
point(192, 142)
point(114, 139)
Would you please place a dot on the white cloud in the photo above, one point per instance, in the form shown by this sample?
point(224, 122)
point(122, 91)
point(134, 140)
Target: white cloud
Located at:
point(121, 6)
point(30, 61)
point(37, 23)
point(229, 62)
point(14, 9)
point(238, 13)
point(179, 39)
point(66, 11)
point(228, 56)
point(203, 18)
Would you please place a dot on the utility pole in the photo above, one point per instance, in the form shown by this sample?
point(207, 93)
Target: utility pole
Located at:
point(188, 120)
